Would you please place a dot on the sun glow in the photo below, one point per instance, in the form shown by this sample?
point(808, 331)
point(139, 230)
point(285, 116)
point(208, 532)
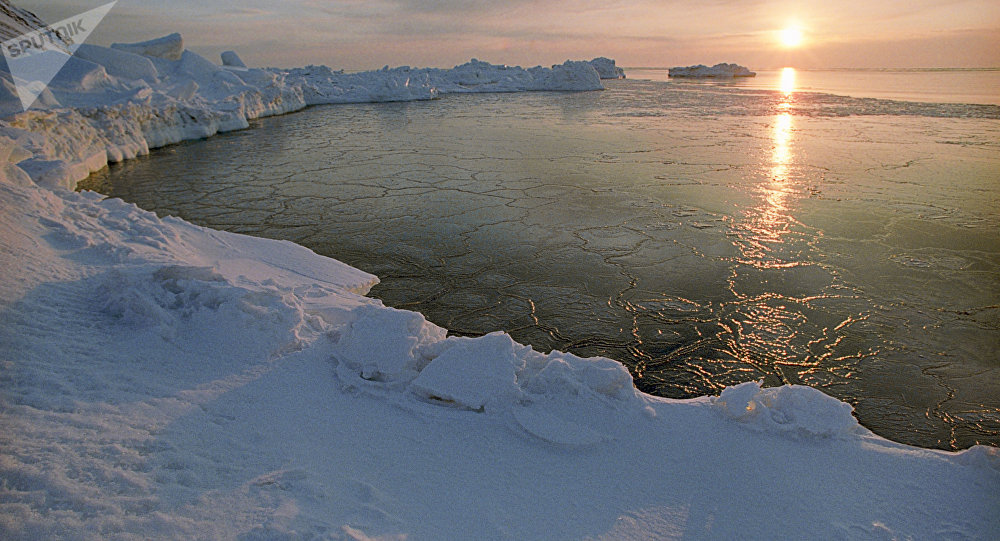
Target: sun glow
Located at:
point(790, 37)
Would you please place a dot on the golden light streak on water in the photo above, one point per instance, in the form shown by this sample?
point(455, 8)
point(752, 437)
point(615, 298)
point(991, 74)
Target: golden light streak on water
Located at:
point(787, 84)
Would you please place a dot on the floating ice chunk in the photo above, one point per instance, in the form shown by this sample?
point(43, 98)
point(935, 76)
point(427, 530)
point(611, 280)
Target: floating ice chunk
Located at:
point(231, 59)
point(168, 47)
point(718, 70)
point(788, 409)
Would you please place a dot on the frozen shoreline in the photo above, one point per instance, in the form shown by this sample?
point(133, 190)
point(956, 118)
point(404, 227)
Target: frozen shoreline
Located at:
point(162, 379)
point(111, 104)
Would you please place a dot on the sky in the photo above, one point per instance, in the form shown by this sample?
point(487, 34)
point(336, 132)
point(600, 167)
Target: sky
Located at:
point(366, 34)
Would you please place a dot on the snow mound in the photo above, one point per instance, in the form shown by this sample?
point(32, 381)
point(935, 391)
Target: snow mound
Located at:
point(489, 373)
point(718, 70)
point(983, 456)
point(494, 372)
point(386, 345)
point(231, 59)
point(607, 69)
point(120, 63)
point(168, 47)
point(474, 372)
point(792, 409)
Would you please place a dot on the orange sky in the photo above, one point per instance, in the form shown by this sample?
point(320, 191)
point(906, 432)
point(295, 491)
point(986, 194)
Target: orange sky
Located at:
point(359, 34)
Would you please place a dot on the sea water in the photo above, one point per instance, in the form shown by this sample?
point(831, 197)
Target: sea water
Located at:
point(702, 234)
point(936, 85)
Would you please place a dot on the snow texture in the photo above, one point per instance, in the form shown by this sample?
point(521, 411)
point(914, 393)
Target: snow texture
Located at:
point(163, 380)
point(607, 69)
point(168, 47)
point(718, 70)
point(233, 60)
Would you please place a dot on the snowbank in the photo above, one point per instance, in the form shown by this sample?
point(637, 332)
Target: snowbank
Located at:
point(163, 380)
point(718, 70)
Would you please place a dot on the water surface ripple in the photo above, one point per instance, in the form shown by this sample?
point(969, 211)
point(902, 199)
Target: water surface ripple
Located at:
point(703, 236)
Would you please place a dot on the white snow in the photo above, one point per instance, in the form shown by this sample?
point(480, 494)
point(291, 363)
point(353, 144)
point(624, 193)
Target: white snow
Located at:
point(168, 47)
point(233, 60)
point(163, 380)
point(718, 70)
point(607, 69)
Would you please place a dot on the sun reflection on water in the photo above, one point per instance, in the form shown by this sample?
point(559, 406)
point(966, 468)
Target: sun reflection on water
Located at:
point(770, 318)
point(787, 84)
point(772, 219)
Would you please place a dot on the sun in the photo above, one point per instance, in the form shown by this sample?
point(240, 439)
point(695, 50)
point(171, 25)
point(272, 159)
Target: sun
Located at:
point(790, 37)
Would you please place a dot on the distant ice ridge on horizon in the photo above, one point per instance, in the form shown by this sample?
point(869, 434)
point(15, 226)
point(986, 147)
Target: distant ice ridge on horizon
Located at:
point(125, 99)
point(718, 70)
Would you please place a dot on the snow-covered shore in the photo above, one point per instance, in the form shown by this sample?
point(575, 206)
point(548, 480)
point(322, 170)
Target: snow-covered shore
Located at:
point(112, 104)
point(163, 380)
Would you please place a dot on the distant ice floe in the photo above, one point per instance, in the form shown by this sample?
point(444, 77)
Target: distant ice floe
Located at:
point(718, 70)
